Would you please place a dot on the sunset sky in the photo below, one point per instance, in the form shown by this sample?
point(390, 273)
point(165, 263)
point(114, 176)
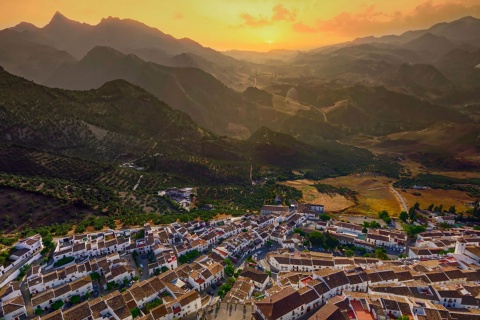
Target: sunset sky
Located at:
point(258, 25)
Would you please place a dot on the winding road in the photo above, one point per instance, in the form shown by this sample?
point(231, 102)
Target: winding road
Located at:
point(399, 197)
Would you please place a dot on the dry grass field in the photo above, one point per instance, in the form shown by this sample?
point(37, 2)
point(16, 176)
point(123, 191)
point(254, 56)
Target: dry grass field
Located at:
point(373, 194)
point(447, 198)
point(311, 195)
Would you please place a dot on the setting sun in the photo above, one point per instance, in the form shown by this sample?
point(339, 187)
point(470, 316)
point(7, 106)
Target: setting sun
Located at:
point(252, 24)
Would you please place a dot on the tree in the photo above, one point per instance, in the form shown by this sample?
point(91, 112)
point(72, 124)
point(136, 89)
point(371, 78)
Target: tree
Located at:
point(385, 216)
point(316, 238)
point(413, 230)
point(372, 224)
point(403, 216)
point(135, 312)
point(75, 299)
point(189, 256)
point(416, 206)
point(38, 311)
point(430, 207)
point(229, 270)
point(349, 253)
point(299, 231)
point(364, 230)
point(324, 217)
point(95, 276)
point(380, 253)
point(452, 209)
point(57, 304)
point(412, 213)
point(444, 226)
point(331, 242)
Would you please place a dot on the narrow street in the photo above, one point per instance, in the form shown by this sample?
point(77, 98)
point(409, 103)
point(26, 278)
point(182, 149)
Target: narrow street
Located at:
point(26, 297)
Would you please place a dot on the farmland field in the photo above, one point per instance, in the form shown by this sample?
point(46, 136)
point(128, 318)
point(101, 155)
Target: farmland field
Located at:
point(447, 198)
point(373, 194)
point(332, 203)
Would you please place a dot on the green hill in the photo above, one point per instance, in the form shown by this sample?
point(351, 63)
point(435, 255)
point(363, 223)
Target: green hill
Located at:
point(203, 97)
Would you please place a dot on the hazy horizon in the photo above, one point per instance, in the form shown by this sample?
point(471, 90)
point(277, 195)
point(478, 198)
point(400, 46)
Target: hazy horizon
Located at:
point(254, 25)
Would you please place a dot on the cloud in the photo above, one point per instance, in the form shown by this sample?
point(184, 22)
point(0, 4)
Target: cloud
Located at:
point(279, 13)
point(371, 21)
point(251, 21)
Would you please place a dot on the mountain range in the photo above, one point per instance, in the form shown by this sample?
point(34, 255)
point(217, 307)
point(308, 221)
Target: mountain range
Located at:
point(97, 118)
point(375, 86)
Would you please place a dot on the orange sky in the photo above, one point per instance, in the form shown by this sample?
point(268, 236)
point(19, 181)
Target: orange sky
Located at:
point(252, 24)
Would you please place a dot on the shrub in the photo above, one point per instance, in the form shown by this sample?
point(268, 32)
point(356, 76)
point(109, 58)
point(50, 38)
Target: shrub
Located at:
point(63, 261)
point(57, 304)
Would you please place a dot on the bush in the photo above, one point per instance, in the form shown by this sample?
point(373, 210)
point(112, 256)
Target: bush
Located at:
point(151, 305)
point(63, 261)
point(189, 256)
point(57, 304)
point(23, 271)
point(372, 225)
point(413, 230)
point(75, 299)
point(380, 253)
point(135, 312)
point(385, 216)
point(95, 276)
point(111, 285)
point(299, 231)
point(324, 217)
point(38, 311)
point(229, 269)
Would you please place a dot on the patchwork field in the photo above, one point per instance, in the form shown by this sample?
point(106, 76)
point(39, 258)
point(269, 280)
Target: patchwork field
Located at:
point(373, 194)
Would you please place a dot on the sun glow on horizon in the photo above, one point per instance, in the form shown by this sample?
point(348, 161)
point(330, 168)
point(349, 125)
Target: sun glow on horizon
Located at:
point(252, 24)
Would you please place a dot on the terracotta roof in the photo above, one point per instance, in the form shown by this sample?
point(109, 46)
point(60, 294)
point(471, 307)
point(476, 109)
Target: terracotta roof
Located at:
point(189, 297)
point(78, 312)
point(329, 312)
point(279, 304)
point(254, 274)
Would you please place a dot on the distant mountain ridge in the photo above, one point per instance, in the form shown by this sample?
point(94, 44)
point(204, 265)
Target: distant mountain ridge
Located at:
point(129, 36)
point(464, 30)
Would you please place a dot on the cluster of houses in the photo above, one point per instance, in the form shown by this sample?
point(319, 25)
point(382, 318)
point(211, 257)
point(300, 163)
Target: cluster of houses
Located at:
point(173, 302)
point(370, 289)
point(438, 280)
point(181, 196)
point(22, 251)
point(460, 242)
point(350, 233)
point(12, 305)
